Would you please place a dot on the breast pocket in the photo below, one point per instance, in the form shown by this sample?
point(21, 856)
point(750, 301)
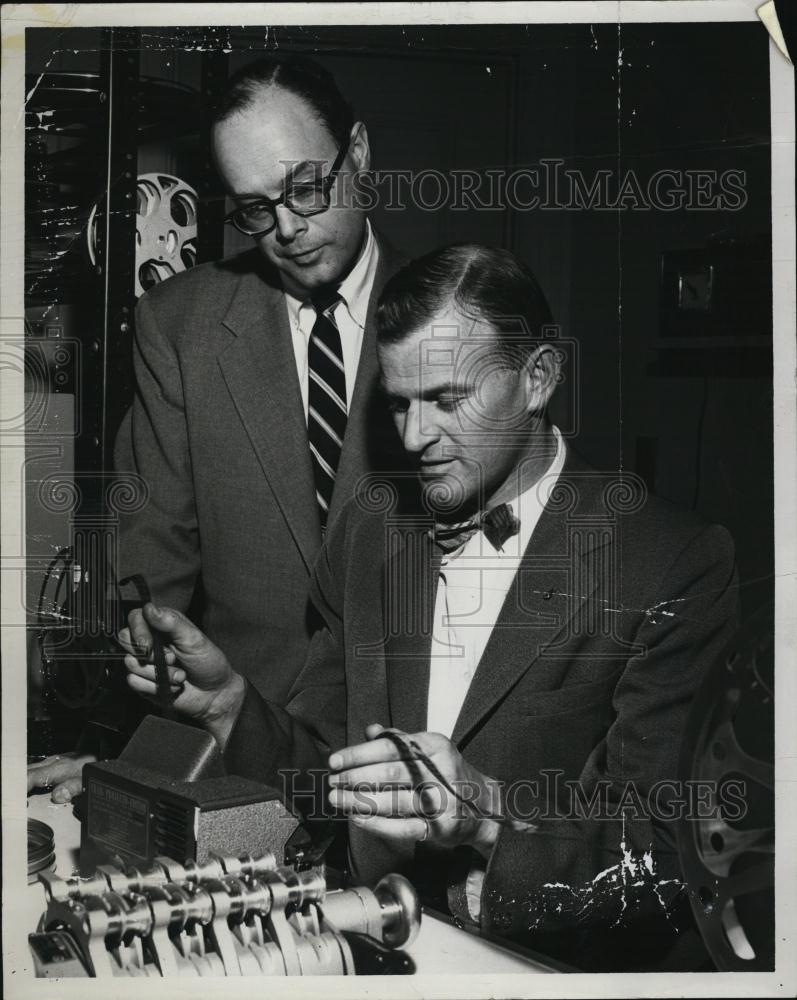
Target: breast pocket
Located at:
point(570, 699)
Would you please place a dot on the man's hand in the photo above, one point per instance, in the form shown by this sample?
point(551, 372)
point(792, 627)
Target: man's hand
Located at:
point(395, 795)
point(62, 773)
point(205, 686)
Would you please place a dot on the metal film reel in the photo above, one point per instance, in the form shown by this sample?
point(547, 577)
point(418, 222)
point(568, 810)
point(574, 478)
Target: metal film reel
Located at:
point(728, 858)
point(41, 849)
point(65, 154)
point(166, 229)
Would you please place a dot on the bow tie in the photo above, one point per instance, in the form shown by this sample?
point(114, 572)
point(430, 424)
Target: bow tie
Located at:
point(498, 525)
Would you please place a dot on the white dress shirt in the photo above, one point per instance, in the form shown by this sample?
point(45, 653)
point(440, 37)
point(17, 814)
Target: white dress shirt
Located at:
point(350, 314)
point(471, 590)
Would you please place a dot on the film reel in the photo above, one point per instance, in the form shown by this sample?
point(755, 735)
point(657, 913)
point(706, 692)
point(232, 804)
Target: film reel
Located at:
point(41, 849)
point(728, 859)
point(66, 150)
point(166, 229)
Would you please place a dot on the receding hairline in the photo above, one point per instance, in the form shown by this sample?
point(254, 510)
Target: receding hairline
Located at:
point(255, 90)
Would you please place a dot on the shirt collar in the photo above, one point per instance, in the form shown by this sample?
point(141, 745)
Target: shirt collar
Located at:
point(541, 490)
point(526, 506)
point(532, 502)
point(355, 289)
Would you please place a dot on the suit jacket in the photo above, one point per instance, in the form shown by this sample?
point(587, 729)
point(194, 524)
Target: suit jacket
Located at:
point(620, 604)
point(217, 431)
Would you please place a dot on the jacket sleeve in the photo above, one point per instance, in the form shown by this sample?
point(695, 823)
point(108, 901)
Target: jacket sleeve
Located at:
point(288, 748)
point(159, 541)
point(612, 865)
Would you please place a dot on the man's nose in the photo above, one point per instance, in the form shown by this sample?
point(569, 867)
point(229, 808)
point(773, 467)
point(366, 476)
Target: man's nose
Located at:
point(289, 225)
point(416, 432)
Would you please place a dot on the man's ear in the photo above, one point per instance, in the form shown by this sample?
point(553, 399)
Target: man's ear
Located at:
point(359, 148)
point(543, 373)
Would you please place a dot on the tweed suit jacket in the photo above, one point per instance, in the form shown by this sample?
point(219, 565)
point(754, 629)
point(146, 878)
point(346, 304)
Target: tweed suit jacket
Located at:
point(620, 604)
point(218, 433)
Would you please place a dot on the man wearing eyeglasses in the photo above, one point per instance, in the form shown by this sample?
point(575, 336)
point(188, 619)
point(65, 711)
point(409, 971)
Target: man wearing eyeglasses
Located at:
point(253, 418)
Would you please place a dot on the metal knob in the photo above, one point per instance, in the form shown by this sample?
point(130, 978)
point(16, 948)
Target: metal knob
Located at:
point(401, 910)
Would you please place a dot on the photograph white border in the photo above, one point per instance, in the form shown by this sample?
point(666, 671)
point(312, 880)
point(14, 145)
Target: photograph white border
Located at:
point(17, 17)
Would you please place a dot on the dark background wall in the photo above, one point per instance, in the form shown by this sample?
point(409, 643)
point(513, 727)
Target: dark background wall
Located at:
point(689, 409)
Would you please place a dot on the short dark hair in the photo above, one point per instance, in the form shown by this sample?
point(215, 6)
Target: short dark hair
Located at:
point(483, 283)
point(298, 74)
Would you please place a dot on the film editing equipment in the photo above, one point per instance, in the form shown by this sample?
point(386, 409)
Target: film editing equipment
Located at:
point(232, 916)
point(181, 878)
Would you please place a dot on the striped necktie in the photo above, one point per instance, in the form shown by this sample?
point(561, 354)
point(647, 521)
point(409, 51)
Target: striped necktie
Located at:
point(327, 409)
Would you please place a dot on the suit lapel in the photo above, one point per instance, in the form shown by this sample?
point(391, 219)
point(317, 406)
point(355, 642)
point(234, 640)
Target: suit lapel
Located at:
point(409, 589)
point(259, 369)
point(354, 457)
point(560, 570)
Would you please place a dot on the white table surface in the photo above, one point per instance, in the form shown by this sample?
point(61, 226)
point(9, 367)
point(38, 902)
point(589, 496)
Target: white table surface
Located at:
point(440, 948)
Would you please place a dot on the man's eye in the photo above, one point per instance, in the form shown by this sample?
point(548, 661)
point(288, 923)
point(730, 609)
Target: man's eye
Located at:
point(306, 195)
point(255, 210)
point(449, 403)
point(397, 405)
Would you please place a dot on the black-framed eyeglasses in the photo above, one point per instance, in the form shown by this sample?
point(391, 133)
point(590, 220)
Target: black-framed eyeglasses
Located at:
point(302, 198)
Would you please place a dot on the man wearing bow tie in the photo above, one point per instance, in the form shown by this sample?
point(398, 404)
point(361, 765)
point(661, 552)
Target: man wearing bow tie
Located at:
point(500, 678)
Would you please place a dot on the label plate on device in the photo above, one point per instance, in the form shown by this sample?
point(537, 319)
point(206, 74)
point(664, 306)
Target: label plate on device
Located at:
point(117, 818)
